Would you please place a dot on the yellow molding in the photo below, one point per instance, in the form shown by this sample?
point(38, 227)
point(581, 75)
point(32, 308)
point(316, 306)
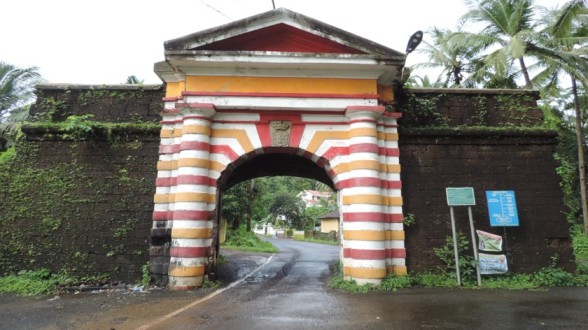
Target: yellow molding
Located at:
point(236, 84)
point(191, 233)
point(186, 271)
point(196, 129)
point(193, 162)
point(194, 197)
point(367, 273)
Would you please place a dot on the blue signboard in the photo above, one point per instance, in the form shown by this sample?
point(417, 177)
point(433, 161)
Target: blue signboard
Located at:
point(502, 208)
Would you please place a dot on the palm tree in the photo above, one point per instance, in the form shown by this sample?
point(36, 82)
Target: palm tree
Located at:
point(133, 80)
point(451, 59)
point(16, 95)
point(507, 28)
point(565, 40)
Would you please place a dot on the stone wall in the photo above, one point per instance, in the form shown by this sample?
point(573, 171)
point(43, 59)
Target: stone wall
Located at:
point(83, 203)
point(82, 200)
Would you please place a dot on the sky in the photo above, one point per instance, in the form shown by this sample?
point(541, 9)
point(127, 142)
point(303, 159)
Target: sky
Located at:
point(103, 42)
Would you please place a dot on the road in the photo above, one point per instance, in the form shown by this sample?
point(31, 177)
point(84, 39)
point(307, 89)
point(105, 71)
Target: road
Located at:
point(290, 291)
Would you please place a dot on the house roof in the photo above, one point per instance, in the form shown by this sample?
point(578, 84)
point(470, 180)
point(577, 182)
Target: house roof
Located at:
point(280, 41)
point(330, 215)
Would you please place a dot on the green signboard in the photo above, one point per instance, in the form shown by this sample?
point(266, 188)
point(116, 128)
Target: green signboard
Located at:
point(463, 196)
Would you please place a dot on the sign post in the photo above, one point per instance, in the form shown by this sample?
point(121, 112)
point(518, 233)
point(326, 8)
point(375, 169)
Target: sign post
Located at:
point(463, 196)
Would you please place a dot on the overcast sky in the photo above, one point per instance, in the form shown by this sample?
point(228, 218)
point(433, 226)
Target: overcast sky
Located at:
point(103, 42)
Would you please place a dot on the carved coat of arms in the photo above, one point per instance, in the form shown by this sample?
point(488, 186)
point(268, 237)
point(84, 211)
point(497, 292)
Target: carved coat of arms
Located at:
point(280, 133)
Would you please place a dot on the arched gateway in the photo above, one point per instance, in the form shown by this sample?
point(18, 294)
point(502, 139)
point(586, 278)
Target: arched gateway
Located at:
point(278, 83)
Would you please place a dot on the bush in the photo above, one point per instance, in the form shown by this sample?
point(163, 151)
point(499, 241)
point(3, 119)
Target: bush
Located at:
point(30, 283)
point(244, 240)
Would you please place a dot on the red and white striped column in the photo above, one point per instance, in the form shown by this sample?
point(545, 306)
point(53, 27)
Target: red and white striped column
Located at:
point(392, 186)
point(363, 216)
point(194, 200)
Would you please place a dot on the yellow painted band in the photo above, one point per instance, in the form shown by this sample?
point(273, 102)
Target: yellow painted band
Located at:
point(236, 84)
point(167, 165)
point(191, 233)
point(194, 197)
point(170, 133)
point(387, 136)
point(319, 137)
point(397, 270)
point(395, 235)
point(174, 88)
point(366, 273)
point(373, 235)
point(386, 93)
point(196, 129)
point(239, 134)
point(161, 198)
point(185, 271)
point(390, 168)
point(193, 162)
point(363, 131)
point(364, 235)
point(373, 200)
point(217, 166)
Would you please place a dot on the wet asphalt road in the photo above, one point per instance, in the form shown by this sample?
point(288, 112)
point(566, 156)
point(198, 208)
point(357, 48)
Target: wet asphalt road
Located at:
point(291, 292)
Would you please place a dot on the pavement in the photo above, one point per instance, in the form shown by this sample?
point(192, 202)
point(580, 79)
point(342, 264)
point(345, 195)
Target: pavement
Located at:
point(281, 295)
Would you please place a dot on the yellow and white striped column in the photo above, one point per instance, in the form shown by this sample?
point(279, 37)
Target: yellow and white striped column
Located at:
point(363, 216)
point(194, 200)
point(395, 235)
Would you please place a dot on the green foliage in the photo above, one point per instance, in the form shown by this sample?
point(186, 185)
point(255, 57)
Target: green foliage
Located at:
point(30, 283)
point(409, 220)
point(78, 127)
point(467, 264)
point(208, 284)
point(145, 275)
point(243, 240)
point(7, 156)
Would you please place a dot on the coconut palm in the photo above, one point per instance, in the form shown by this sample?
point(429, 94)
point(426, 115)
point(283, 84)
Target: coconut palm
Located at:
point(507, 29)
point(133, 80)
point(564, 51)
point(451, 59)
point(16, 95)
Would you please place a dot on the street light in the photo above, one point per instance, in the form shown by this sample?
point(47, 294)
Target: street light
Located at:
point(414, 41)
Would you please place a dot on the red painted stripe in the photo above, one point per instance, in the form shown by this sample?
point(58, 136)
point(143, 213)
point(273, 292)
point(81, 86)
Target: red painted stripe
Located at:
point(374, 108)
point(165, 182)
point(194, 145)
point(171, 98)
point(289, 95)
point(332, 152)
point(394, 218)
point(170, 112)
point(364, 147)
point(188, 252)
point(354, 121)
point(364, 254)
point(196, 179)
point(162, 215)
point(167, 149)
point(390, 152)
point(270, 113)
point(225, 150)
point(170, 121)
point(192, 215)
point(396, 253)
point(369, 182)
point(395, 115)
point(196, 106)
point(364, 216)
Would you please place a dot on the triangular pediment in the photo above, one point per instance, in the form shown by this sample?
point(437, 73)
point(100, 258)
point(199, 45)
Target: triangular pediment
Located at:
point(280, 38)
point(280, 30)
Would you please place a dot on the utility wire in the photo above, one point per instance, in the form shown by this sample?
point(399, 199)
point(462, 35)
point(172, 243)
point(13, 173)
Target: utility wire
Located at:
point(218, 11)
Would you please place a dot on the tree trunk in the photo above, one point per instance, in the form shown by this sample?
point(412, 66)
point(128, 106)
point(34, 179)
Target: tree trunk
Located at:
point(581, 162)
point(528, 83)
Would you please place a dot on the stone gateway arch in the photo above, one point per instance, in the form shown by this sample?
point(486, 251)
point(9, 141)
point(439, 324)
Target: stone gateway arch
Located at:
point(278, 83)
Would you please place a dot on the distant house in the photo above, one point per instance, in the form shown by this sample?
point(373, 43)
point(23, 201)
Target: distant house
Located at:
point(313, 197)
point(330, 222)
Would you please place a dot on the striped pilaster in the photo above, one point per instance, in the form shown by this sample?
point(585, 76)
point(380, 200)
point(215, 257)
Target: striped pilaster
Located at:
point(395, 249)
point(364, 238)
point(194, 199)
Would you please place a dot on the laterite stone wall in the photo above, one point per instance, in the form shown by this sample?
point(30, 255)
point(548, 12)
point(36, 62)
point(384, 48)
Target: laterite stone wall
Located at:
point(85, 205)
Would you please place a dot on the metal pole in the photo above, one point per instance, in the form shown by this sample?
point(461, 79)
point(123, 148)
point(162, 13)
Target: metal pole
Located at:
point(455, 251)
point(475, 247)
